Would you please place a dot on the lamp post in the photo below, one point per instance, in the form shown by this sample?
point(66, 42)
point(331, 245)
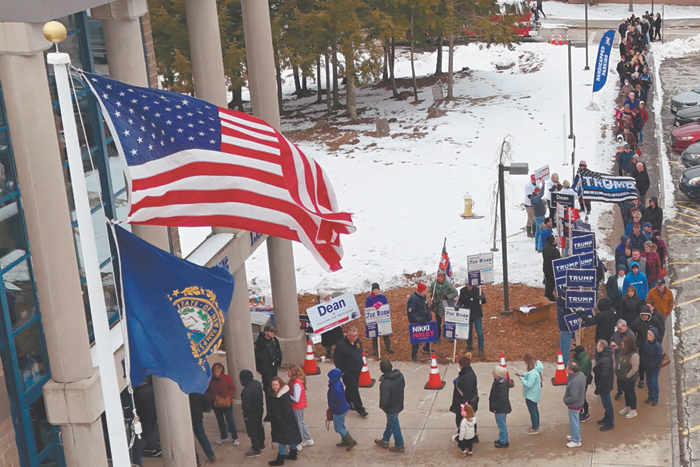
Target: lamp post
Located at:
point(577, 44)
point(515, 168)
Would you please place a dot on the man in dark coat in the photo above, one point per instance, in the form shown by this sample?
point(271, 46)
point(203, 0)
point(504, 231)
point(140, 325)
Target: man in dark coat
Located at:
point(604, 374)
point(641, 177)
point(640, 327)
point(549, 253)
point(654, 214)
point(145, 403)
point(268, 358)
point(252, 405)
point(465, 391)
point(391, 388)
point(198, 405)
point(348, 359)
point(605, 320)
point(418, 310)
point(472, 298)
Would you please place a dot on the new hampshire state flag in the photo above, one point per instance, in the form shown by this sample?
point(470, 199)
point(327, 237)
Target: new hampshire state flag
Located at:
point(175, 312)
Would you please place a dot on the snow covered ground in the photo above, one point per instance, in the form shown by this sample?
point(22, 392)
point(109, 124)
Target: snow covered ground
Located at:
point(608, 11)
point(406, 190)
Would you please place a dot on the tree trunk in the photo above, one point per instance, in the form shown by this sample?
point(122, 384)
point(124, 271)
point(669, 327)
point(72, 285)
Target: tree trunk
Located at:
point(450, 64)
point(278, 73)
point(350, 105)
point(385, 68)
point(304, 85)
point(336, 93)
point(413, 67)
point(319, 90)
point(438, 65)
point(328, 85)
point(392, 60)
point(236, 99)
point(297, 82)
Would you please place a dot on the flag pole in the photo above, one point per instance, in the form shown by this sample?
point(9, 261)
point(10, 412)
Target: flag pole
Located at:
point(88, 248)
point(432, 294)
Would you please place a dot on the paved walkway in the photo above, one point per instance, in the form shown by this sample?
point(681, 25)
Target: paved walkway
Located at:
point(427, 427)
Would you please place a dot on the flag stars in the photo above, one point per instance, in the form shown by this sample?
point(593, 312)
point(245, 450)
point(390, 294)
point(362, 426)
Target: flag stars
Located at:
point(212, 129)
point(185, 102)
point(134, 101)
point(117, 114)
point(211, 141)
point(157, 114)
point(168, 109)
point(201, 122)
point(189, 114)
point(162, 143)
point(201, 133)
point(178, 106)
point(130, 90)
point(104, 96)
point(119, 104)
point(122, 94)
point(153, 124)
point(134, 152)
point(127, 132)
point(140, 140)
point(190, 125)
point(131, 122)
point(153, 135)
point(109, 86)
point(191, 138)
point(150, 147)
point(168, 122)
point(143, 128)
point(179, 117)
point(172, 140)
point(180, 130)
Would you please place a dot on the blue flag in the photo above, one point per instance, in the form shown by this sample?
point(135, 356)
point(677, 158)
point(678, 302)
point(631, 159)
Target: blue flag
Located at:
point(594, 186)
point(602, 63)
point(175, 313)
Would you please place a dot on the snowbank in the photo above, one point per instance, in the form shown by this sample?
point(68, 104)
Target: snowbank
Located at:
point(560, 11)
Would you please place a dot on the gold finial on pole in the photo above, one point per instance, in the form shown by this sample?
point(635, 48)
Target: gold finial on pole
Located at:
point(54, 32)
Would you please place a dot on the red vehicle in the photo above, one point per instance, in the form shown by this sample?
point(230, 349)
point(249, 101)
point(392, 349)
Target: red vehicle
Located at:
point(683, 136)
point(525, 26)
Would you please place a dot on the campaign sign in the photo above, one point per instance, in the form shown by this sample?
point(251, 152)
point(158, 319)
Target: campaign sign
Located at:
point(378, 321)
point(333, 313)
point(580, 278)
point(560, 266)
point(423, 333)
point(583, 244)
point(582, 227)
point(563, 199)
point(456, 323)
point(474, 278)
point(580, 299)
point(542, 174)
point(573, 321)
point(483, 264)
point(587, 261)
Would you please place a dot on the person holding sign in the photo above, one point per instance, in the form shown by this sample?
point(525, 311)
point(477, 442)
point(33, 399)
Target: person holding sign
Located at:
point(445, 293)
point(472, 298)
point(333, 336)
point(348, 359)
point(605, 320)
point(376, 299)
point(418, 312)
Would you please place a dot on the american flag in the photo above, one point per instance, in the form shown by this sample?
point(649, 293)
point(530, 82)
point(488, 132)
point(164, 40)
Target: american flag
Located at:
point(189, 163)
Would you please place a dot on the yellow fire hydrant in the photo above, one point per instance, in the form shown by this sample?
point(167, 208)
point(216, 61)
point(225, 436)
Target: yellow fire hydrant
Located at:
point(468, 204)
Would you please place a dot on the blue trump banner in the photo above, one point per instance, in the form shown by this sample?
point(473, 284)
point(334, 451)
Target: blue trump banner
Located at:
point(602, 63)
point(574, 323)
point(560, 266)
point(175, 312)
point(580, 279)
point(423, 333)
point(587, 261)
point(583, 244)
point(580, 299)
point(594, 186)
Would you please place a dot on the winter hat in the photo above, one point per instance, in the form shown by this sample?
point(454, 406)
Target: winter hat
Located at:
point(464, 362)
point(646, 224)
point(645, 310)
point(656, 332)
point(375, 286)
point(537, 189)
point(624, 239)
point(621, 266)
point(246, 377)
point(420, 287)
point(582, 164)
point(578, 349)
point(648, 243)
point(532, 177)
point(323, 294)
point(605, 304)
point(660, 281)
point(385, 366)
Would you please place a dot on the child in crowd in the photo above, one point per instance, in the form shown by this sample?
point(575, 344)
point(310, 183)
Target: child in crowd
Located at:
point(467, 432)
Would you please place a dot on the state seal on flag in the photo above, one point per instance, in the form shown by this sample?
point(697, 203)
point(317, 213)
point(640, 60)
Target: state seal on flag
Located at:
point(201, 315)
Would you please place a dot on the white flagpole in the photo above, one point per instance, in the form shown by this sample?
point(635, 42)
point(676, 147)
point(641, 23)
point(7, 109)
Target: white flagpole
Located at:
point(98, 310)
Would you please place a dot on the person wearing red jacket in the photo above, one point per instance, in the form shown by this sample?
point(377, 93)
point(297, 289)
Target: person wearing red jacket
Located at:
point(220, 394)
point(643, 118)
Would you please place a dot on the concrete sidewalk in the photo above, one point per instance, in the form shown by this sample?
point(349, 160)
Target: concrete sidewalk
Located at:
point(427, 427)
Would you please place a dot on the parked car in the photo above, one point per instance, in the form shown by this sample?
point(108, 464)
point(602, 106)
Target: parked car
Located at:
point(689, 183)
point(691, 156)
point(686, 99)
point(683, 136)
point(687, 115)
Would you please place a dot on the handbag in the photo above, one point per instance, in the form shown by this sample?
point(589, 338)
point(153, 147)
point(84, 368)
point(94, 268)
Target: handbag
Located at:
point(222, 402)
point(664, 361)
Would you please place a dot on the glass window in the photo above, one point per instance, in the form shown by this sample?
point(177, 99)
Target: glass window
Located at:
point(12, 240)
point(110, 294)
point(31, 359)
point(51, 459)
point(7, 173)
point(99, 50)
point(2, 115)
point(20, 294)
point(44, 432)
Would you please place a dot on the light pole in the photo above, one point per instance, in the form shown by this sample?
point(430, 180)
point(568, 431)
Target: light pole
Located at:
point(586, 38)
point(577, 44)
point(515, 168)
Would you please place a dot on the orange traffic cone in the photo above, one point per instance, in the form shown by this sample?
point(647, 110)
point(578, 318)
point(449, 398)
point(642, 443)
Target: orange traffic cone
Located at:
point(567, 38)
point(560, 377)
point(511, 383)
point(365, 380)
point(560, 39)
point(554, 42)
point(434, 381)
point(310, 367)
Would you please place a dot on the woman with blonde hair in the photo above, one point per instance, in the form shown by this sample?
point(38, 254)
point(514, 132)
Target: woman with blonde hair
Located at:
point(532, 390)
point(499, 404)
point(297, 386)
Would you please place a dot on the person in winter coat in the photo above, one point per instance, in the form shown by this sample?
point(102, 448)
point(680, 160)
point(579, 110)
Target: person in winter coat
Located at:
point(284, 429)
point(552, 186)
point(339, 408)
point(604, 320)
point(391, 390)
point(467, 431)
point(634, 204)
point(532, 390)
point(661, 245)
point(661, 298)
point(443, 295)
point(620, 250)
point(199, 403)
point(546, 229)
point(613, 287)
point(641, 176)
point(499, 404)
point(335, 335)
point(636, 219)
point(252, 406)
point(624, 158)
point(145, 403)
point(643, 118)
point(539, 211)
point(630, 305)
point(472, 298)
point(627, 372)
point(465, 390)
point(268, 357)
point(623, 330)
point(418, 311)
point(565, 335)
point(377, 299)
point(348, 359)
point(641, 326)
point(653, 263)
point(549, 253)
point(652, 355)
point(637, 238)
point(654, 214)
point(529, 191)
point(574, 397)
point(637, 279)
point(584, 366)
point(297, 393)
point(220, 394)
point(604, 372)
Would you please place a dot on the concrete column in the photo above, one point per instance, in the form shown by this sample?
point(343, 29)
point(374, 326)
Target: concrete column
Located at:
point(205, 51)
point(263, 96)
point(238, 338)
point(54, 263)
